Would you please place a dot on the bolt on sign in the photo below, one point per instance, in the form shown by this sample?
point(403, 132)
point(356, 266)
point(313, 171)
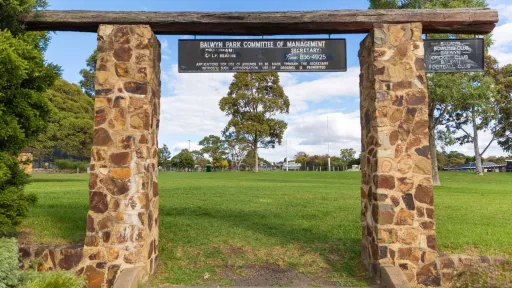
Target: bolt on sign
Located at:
point(265, 55)
point(454, 55)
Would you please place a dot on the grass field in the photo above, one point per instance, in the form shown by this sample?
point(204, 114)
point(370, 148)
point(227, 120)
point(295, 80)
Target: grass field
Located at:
point(223, 224)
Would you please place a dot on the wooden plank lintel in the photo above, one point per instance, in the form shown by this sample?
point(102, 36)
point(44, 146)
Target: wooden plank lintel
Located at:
point(470, 21)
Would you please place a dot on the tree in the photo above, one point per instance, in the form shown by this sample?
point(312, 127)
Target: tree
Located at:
point(89, 74)
point(237, 149)
point(199, 158)
point(302, 158)
point(164, 157)
point(253, 102)
point(441, 100)
point(24, 78)
point(478, 111)
point(70, 124)
point(503, 128)
point(347, 155)
point(215, 148)
point(183, 160)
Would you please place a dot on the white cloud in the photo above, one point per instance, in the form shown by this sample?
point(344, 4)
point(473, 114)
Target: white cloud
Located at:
point(177, 147)
point(330, 85)
point(502, 35)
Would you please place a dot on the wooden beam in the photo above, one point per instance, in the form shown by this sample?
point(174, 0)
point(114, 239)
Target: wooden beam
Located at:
point(478, 21)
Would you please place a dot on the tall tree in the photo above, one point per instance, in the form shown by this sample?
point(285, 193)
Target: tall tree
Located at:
point(302, 158)
point(253, 102)
point(478, 112)
point(503, 128)
point(70, 124)
point(440, 102)
point(237, 149)
point(215, 148)
point(24, 78)
point(347, 155)
point(89, 74)
point(164, 157)
point(183, 160)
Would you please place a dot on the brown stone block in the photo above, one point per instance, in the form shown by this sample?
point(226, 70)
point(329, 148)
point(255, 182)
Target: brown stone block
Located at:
point(101, 137)
point(393, 137)
point(430, 213)
point(419, 64)
point(429, 275)
point(119, 102)
point(383, 214)
point(404, 184)
point(115, 186)
point(424, 194)
point(105, 236)
point(100, 116)
point(106, 223)
point(143, 139)
point(70, 258)
point(432, 242)
point(99, 154)
point(422, 166)
point(140, 121)
point(420, 212)
point(404, 217)
point(396, 115)
point(90, 224)
point(103, 92)
point(384, 181)
point(412, 143)
point(402, 51)
point(94, 276)
point(387, 236)
point(415, 98)
point(91, 241)
point(385, 166)
point(395, 34)
point(120, 116)
point(409, 254)
point(133, 87)
point(121, 158)
point(112, 254)
point(408, 201)
point(98, 202)
point(122, 173)
point(420, 128)
point(123, 53)
point(122, 35)
point(126, 142)
point(404, 130)
point(395, 201)
point(427, 225)
point(409, 236)
point(93, 181)
point(123, 70)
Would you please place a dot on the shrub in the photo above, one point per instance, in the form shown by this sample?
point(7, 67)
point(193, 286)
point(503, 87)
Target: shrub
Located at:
point(13, 201)
point(51, 280)
point(70, 165)
point(8, 263)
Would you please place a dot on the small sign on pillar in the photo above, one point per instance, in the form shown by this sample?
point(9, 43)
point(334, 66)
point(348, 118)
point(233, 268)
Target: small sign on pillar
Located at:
point(454, 55)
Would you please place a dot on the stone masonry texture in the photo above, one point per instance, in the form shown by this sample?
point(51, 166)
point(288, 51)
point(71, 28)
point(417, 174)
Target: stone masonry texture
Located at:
point(122, 223)
point(397, 211)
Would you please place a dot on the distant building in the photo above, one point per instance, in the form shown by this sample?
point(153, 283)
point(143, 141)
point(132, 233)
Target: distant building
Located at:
point(292, 166)
point(486, 166)
point(509, 166)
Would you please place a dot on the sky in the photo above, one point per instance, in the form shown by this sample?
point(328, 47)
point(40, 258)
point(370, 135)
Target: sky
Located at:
point(324, 111)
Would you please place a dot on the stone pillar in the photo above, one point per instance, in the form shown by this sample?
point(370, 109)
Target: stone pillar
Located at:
point(397, 201)
point(122, 223)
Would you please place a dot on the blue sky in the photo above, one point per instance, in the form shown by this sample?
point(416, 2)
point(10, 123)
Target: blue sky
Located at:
point(190, 101)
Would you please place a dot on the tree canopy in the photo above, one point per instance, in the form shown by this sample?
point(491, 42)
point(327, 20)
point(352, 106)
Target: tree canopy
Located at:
point(164, 157)
point(89, 74)
point(253, 102)
point(70, 124)
point(183, 160)
point(24, 109)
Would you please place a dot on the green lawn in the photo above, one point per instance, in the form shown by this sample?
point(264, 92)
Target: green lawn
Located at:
point(219, 223)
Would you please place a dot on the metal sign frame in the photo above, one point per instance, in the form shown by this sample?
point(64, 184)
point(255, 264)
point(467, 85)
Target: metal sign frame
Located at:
point(480, 42)
point(343, 61)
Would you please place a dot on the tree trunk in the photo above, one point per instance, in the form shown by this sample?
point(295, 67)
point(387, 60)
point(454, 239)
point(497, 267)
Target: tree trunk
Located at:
point(256, 168)
point(433, 154)
point(478, 158)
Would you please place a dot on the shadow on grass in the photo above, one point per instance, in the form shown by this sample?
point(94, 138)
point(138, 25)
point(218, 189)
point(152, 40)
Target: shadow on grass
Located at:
point(341, 254)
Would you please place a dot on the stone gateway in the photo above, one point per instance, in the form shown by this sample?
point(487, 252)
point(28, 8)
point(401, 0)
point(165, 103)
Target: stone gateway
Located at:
point(397, 203)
